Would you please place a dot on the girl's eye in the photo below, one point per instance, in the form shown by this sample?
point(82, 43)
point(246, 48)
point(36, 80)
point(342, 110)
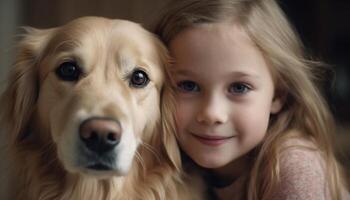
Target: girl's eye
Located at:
point(239, 88)
point(188, 86)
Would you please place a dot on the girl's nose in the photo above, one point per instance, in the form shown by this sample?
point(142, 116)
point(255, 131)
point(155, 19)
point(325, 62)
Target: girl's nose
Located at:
point(213, 111)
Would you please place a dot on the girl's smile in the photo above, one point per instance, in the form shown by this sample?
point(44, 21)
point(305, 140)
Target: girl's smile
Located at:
point(212, 139)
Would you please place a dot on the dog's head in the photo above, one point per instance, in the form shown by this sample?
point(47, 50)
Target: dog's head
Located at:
point(92, 89)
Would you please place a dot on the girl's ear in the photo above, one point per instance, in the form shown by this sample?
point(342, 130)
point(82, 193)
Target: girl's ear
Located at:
point(278, 102)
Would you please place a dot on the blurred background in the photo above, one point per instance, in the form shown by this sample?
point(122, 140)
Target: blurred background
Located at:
point(324, 26)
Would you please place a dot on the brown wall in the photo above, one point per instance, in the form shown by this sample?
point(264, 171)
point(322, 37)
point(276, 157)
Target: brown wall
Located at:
point(44, 13)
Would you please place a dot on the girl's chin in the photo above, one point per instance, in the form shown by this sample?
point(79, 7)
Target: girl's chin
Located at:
point(212, 163)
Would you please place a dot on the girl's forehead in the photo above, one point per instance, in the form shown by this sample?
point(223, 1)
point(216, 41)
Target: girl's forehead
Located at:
point(227, 37)
point(218, 49)
point(230, 31)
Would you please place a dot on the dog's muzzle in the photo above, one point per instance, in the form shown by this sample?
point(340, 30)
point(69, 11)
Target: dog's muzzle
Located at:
point(99, 137)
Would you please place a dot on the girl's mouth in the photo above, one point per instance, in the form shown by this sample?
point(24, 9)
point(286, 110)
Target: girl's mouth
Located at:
point(212, 140)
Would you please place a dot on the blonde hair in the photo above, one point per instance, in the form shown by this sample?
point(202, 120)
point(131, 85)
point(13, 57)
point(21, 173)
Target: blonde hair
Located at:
point(305, 110)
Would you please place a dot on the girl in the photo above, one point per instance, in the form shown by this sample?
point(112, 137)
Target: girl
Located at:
point(248, 111)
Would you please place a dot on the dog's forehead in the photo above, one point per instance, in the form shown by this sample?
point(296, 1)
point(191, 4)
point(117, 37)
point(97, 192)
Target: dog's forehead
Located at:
point(98, 30)
point(96, 33)
point(95, 41)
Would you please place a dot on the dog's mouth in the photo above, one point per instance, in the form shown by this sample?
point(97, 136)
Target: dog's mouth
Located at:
point(100, 167)
point(103, 163)
point(116, 161)
point(101, 170)
point(93, 161)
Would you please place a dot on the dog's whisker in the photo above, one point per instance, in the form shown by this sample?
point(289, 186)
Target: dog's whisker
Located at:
point(151, 149)
point(140, 159)
point(46, 152)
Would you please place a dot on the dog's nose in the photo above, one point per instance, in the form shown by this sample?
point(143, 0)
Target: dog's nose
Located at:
point(100, 135)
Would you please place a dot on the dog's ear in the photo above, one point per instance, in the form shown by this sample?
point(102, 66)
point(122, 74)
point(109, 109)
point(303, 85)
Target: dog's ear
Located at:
point(168, 126)
point(168, 133)
point(19, 97)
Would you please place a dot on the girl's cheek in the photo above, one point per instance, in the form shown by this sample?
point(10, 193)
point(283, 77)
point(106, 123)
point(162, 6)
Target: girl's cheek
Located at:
point(183, 113)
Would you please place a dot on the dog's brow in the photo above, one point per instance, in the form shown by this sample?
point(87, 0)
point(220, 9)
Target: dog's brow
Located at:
point(67, 45)
point(125, 64)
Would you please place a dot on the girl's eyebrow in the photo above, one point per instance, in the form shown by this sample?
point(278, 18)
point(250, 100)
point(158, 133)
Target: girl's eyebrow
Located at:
point(241, 74)
point(235, 74)
point(182, 72)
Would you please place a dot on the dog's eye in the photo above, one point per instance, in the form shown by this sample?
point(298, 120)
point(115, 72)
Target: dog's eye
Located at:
point(139, 79)
point(68, 71)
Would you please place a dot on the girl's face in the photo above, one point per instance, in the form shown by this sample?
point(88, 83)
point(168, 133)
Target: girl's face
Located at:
point(225, 93)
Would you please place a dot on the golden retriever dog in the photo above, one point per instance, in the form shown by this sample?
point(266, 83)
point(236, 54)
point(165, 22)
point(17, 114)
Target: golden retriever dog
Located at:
point(85, 118)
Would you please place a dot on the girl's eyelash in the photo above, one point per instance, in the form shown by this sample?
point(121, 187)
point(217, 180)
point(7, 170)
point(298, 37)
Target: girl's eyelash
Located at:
point(187, 86)
point(239, 88)
point(236, 88)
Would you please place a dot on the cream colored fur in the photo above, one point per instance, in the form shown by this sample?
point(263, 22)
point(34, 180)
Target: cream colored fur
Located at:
point(41, 113)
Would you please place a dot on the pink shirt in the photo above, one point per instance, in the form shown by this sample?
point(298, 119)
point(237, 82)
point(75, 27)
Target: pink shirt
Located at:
point(302, 173)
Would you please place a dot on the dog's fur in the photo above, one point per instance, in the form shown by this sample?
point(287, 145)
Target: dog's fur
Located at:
point(41, 115)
